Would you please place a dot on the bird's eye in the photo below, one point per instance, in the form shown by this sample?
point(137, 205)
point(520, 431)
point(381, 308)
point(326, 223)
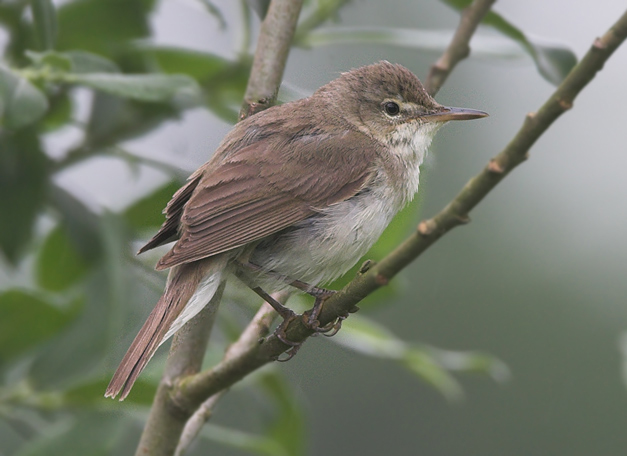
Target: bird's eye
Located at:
point(391, 108)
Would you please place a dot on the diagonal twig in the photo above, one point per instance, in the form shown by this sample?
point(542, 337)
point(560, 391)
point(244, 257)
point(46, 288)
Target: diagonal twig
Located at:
point(459, 47)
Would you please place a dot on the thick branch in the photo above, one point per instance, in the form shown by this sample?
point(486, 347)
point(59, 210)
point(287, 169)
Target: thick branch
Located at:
point(256, 329)
point(192, 391)
point(459, 47)
point(275, 39)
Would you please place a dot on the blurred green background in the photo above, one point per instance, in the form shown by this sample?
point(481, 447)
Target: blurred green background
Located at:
point(526, 305)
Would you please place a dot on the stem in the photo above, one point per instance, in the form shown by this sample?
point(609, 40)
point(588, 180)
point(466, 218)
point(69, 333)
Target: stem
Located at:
point(459, 47)
point(256, 329)
point(163, 428)
point(275, 40)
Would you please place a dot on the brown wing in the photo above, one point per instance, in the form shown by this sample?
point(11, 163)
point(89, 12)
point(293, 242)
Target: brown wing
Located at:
point(173, 211)
point(265, 187)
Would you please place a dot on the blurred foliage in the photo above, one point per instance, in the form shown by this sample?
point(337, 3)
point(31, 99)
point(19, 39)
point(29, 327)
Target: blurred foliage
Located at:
point(58, 331)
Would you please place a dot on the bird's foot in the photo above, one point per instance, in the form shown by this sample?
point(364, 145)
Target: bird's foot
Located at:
point(310, 318)
point(281, 334)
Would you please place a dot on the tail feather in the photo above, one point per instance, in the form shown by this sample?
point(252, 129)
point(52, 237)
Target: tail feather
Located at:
point(189, 289)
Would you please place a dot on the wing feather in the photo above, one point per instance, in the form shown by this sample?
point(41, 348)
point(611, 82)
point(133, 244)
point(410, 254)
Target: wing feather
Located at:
point(262, 187)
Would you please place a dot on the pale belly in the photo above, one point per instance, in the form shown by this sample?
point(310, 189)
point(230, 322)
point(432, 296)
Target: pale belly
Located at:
point(323, 247)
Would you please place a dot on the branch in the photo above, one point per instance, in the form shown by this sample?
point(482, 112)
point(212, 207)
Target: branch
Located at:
point(275, 40)
point(192, 391)
point(459, 48)
point(163, 428)
point(258, 327)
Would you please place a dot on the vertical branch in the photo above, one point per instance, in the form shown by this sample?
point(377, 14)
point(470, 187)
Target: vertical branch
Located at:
point(459, 48)
point(275, 40)
point(164, 427)
point(258, 327)
point(167, 420)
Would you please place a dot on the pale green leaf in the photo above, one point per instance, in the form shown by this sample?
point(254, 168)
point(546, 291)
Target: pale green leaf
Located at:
point(426, 367)
point(71, 62)
point(21, 103)
point(86, 62)
point(365, 336)
point(59, 265)
point(144, 87)
point(51, 59)
point(432, 365)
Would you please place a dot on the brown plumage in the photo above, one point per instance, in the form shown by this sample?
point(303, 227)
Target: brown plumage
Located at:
point(303, 189)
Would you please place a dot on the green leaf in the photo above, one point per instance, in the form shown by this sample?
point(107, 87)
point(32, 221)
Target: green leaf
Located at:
point(114, 119)
point(553, 62)
point(21, 103)
point(83, 226)
point(45, 21)
point(144, 87)
point(147, 212)
point(102, 27)
point(423, 365)
point(470, 362)
point(198, 65)
point(23, 180)
point(59, 114)
point(71, 62)
point(81, 348)
point(59, 265)
point(432, 365)
point(26, 321)
point(55, 60)
point(288, 429)
point(86, 62)
point(364, 336)
point(85, 434)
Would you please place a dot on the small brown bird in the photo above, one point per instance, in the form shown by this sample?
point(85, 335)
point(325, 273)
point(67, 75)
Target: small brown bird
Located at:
point(301, 190)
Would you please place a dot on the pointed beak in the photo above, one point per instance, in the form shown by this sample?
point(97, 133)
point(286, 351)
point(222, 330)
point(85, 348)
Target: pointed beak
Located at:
point(446, 114)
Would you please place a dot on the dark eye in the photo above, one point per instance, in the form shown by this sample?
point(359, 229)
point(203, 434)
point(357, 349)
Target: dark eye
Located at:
point(391, 108)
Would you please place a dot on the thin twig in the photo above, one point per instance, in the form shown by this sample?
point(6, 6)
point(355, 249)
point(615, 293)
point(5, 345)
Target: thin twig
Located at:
point(459, 47)
point(196, 423)
point(192, 391)
point(275, 40)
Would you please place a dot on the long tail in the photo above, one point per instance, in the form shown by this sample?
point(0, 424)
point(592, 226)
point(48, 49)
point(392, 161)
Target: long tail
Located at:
point(190, 287)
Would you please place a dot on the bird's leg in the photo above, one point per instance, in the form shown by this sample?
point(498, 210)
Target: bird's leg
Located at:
point(319, 294)
point(286, 313)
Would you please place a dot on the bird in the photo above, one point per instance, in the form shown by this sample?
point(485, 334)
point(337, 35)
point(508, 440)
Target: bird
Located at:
point(294, 195)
